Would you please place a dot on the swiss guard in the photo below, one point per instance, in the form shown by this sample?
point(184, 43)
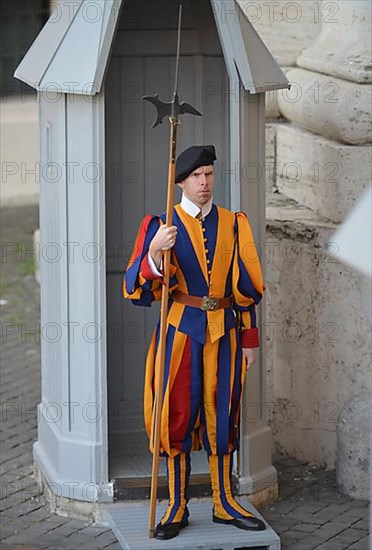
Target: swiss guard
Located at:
point(215, 285)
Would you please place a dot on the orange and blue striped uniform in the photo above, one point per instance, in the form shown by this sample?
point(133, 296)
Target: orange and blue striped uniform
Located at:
point(204, 363)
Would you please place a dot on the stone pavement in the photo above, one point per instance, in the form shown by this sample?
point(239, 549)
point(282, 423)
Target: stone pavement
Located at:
point(310, 514)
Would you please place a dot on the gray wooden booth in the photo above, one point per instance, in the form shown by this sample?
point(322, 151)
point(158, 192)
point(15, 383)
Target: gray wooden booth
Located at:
point(102, 168)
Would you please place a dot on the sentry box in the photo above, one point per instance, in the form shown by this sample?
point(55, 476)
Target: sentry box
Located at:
point(102, 168)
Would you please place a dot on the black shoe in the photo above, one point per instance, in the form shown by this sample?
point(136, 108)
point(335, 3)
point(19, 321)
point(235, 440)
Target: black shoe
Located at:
point(169, 530)
point(249, 523)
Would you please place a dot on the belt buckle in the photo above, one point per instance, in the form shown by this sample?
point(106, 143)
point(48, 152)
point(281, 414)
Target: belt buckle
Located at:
point(209, 303)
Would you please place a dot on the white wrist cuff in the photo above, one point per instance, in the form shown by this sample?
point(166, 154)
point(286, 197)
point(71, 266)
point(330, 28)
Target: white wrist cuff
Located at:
point(153, 267)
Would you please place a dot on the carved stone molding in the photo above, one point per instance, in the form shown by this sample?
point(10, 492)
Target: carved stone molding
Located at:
point(329, 106)
point(343, 48)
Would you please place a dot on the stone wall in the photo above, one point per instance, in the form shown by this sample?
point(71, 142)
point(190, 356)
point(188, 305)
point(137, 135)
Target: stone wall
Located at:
point(318, 164)
point(316, 328)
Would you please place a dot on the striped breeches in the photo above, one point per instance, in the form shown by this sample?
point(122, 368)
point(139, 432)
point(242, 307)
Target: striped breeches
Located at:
point(201, 393)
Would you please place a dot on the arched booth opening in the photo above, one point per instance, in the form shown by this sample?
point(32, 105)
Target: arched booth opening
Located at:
point(143, 63)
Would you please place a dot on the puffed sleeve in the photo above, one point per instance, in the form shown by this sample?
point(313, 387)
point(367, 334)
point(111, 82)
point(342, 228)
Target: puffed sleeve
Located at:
point(140, 284)
point(248, 287)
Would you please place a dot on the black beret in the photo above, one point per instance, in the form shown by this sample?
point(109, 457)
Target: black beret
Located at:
point(192, 158)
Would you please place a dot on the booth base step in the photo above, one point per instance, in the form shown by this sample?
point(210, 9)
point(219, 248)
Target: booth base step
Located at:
point(129, 522)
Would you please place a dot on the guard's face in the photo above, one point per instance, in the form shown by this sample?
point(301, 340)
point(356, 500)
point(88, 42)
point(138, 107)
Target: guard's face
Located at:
point(198, 186)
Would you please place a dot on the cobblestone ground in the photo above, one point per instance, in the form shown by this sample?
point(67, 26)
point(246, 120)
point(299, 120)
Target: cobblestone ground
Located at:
point(310, 514)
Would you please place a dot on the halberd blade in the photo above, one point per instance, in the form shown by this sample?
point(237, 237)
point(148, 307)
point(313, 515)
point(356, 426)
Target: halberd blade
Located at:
point(187, 108)
point(163, 108)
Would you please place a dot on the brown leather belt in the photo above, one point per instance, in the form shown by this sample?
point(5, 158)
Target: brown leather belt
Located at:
point(206, 303)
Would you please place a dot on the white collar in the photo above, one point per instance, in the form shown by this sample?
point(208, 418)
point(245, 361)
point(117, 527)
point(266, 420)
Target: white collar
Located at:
point(193, 209)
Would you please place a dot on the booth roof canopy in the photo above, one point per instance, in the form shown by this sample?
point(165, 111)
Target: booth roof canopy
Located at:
point(71, 52)
point(244, 48)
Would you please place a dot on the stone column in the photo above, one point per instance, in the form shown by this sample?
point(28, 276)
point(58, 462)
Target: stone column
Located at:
point(319, 342)
point(343, 48)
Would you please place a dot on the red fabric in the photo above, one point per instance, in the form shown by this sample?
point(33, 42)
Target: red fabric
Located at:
point(250, 338)
point(146, 269)
point(140, 239)
point(149, 275)
point(179, 399)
